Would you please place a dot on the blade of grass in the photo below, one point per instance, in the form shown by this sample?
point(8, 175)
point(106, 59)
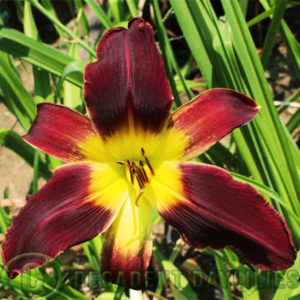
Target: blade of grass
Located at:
point(117, 8)
point(55, 21)
point(265, 145)
point(193, 39)
point(100, 13)
point(168, 48)
point(224, 278)
point(175, 276)
point(244, 7)
point(221, 156)
point(28, 23)
point(3, 217)
point(35, 171)
point(198, 273)
point(50, 8)
point(176, 293)
point(132, 8)
point(72, 92)
point(24, 283)
point(261, 17)
point(119, 293)
point(73, 67)
point(290, 41)
point(272, 31)
point(283, 156)
point(292, 44)
point(92, 249)
point(15, 96)
point(42, 88)
point(82, 17)
point(37, 53)
point(267, 13)
point(14, 142)
point(166, 52)
point(289, 281)
point(189, 83)
point(284, 181)
point(218, 50)
point(294, 121)
point(19, 10)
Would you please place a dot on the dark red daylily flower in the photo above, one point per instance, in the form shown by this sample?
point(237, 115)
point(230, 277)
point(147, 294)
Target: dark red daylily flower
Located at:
point(130, 158)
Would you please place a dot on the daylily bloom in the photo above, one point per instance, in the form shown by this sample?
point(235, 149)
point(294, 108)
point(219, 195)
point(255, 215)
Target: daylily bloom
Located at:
point(129, 160)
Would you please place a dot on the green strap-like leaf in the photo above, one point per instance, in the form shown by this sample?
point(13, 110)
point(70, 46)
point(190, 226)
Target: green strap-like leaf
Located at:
point(12, 141)
point(15, 96)
point(177, 279)
point(289, 282)
point(37, 53)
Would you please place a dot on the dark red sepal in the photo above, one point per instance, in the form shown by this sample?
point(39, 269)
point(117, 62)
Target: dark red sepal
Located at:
point(59, 216)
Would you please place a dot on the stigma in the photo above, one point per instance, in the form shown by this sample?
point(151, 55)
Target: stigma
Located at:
point(139, 173)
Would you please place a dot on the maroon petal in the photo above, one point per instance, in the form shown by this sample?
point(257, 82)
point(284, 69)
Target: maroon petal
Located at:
point(211, 209)
point(210, 116)
point(127, 85)
point(127, 246)
point(67, 211)
point(61, 132)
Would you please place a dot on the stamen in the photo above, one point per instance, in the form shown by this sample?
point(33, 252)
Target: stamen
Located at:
point(149, 166)
point(146, 179)
point(139, 178)
point(140, 182)
point(140, 174)
point(137, 171)
point(131, 176)
point(147, 161)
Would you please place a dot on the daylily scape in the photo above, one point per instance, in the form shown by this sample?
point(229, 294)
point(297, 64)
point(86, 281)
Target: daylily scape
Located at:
point(128, 160)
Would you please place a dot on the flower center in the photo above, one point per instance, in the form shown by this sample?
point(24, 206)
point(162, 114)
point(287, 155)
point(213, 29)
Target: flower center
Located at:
point(138, 173)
